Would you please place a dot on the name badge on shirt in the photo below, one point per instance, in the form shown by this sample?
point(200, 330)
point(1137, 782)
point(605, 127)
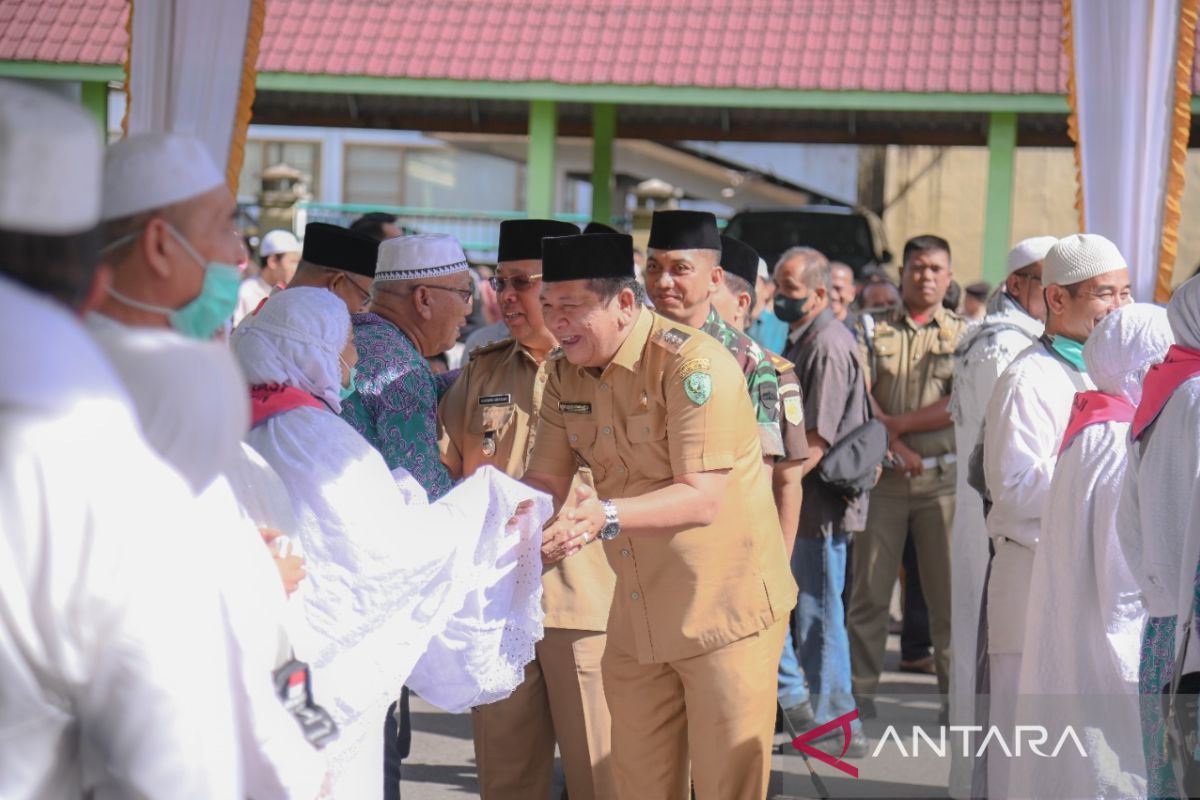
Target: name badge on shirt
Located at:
point(575, 408)
point(495, 399)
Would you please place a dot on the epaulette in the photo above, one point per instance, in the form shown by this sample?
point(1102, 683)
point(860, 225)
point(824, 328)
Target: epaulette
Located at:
point(491, 347)
point(670, 339)
point(780, 363)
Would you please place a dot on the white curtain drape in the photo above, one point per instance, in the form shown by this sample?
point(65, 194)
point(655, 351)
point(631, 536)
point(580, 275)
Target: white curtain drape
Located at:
point(1123, 64)
point(187, 70)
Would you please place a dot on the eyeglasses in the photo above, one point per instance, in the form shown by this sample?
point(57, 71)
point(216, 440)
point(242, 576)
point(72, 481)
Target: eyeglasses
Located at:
point(465, 294)
point(365, 294)
point(520, 283)
point(1027, 276)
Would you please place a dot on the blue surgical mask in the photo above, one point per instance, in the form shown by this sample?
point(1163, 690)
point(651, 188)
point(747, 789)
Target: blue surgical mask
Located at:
point(1071, 350)
point(348, 390)
point(203, 316)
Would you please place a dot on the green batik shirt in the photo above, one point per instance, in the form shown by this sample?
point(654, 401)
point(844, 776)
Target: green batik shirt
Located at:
point(761, 380)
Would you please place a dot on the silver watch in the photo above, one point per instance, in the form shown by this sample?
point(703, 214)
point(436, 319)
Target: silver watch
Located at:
point(612, 525)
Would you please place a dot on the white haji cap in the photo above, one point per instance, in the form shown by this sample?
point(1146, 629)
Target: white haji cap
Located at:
point(1078, 257)
point(146, 171)
point(424, 255)
point(1028, 251)
point(278, 241)
point(763, 273)
point(51, 159)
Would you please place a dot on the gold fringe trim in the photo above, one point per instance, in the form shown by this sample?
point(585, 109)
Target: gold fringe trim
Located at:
point(127, 67)
point(241, 119)
point(1073, 100)
point(1180, 130)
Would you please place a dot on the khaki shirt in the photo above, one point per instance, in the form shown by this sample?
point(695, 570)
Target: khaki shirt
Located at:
point(673, 401)
point(911, 366)
point(488, 418)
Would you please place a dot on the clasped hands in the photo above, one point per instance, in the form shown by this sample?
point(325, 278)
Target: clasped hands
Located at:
point(902, 456)
point(579, 522)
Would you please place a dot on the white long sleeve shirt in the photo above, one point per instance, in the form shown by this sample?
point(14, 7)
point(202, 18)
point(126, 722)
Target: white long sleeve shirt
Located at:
point(113, 659)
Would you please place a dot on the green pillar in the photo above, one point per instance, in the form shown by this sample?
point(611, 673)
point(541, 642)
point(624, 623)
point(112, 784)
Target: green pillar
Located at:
point(604, 131)
point(539, 172)
point(94, 97)
point(997, 229)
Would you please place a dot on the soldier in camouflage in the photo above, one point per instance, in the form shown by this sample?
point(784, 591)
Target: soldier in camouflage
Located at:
point(682, 273)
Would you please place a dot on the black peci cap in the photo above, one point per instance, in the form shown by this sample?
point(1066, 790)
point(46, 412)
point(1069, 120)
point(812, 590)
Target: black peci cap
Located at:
point(587, 256)
point(521, 239)
point(684, 230)
point(339, 248)
point(599, 227)
point(740, 259)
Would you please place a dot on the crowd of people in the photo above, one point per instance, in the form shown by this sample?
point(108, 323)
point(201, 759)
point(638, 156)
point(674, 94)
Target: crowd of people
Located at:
point(244, 511)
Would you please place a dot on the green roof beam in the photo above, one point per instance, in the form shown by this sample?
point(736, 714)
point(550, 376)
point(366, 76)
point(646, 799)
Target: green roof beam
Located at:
point(45, 71)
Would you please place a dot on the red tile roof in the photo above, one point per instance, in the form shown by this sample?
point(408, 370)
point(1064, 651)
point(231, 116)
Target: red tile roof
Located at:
point(974, 46)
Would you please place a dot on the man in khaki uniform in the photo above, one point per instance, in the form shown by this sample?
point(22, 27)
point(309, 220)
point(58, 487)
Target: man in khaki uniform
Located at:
point(489, 417)
point(660, 414)
point(909, 362)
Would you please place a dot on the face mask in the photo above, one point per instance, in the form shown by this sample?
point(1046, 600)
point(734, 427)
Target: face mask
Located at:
point(346, 391)
point(204, 315)
point(1071, 350)
point(791, 309)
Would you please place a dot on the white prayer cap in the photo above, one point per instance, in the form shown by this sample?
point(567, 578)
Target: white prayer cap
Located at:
point(279, 241)
point(1080, 256)
point(51, 159)
point(764, 274)
point(1124, 345)
point(425, 255)
point(1028, 251)
point(1184, 313)
point(147, 171)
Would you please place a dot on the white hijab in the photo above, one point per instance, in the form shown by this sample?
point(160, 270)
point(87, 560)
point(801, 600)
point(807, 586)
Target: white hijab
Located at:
point(295, 339)
point(1184, 313)
point(1124, 345)
point(443, 597)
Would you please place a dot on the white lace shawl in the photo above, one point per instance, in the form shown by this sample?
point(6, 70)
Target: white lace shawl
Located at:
point(444, 597)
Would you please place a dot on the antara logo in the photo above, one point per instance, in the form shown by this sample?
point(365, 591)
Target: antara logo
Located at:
point(801, 743)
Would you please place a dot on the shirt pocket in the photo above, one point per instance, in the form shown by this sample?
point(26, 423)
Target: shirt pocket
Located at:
point(648, 449)
point(885, 353)
point(942, 357)
point(581, 437)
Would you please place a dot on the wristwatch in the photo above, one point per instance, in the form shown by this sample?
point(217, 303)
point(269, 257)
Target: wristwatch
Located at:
point(612, 525)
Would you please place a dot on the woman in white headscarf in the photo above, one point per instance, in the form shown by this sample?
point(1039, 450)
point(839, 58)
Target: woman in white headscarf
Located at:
point(449, 592)
point(1084, 629)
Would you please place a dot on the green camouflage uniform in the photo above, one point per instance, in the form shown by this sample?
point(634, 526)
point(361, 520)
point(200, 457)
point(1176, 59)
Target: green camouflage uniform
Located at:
point(761, 379)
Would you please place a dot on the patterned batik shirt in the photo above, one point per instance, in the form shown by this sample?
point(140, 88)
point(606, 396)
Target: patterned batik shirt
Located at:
point(761, 380)
point(395, 403)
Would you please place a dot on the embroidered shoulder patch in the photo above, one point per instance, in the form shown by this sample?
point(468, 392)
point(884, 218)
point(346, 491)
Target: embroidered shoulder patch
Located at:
point(671, 339)
point(793, 409)
point(698, 387)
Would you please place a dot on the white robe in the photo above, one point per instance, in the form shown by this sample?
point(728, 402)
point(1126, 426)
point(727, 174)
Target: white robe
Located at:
point(193, 406)
point(444, 591)
point(1082, 646)
point(1159, 515)
point(986, 350)
point(113, 662)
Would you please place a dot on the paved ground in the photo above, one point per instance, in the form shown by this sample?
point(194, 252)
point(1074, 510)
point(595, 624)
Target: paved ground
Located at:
point(442, 764)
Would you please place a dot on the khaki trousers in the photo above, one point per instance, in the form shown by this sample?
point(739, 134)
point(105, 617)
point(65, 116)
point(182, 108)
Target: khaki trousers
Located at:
point(562, 699)
point(921, 507)
point(718, 708)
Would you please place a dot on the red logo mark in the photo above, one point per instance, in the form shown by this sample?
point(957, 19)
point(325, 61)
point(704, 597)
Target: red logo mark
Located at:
point(801, 743)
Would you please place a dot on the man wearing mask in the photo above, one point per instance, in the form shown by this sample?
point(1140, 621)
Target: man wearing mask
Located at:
point(1085, 278)
point(909, 358)
point(1015, 320)
point(682, 272)
point(490, 417)
point(339, 260)
point(835, 403)
point(765, 328)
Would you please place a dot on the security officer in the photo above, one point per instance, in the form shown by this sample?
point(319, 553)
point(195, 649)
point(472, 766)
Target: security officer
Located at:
point(683, 270)
point(489, 417)
point(909, 361)
point(660, 414)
